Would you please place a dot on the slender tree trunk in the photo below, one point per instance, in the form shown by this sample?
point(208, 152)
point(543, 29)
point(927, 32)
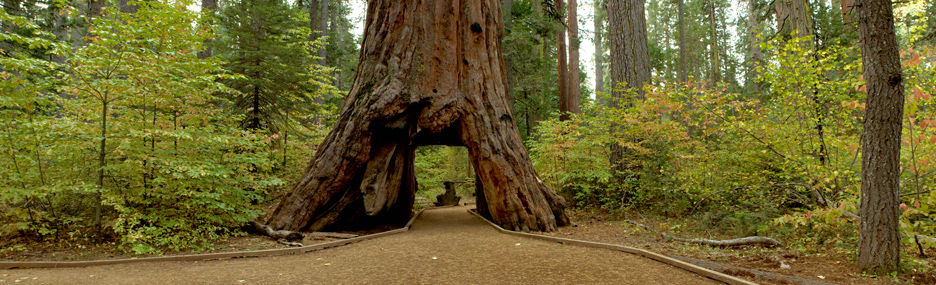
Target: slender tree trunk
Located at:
point(563, 68)
point(60, 30)
point(102, 162)
point(713, 28)
point(540, 47)
point(599, 50)
point(316, 27)
point(431, 73)
point(94, 7)
point(333, 29)
point(323, 31)
point(757, 56)
point(508, 62)
point(126, 7)
point(12, 7)
point(683, 76)
point(574, 92)
point(630, 63)
point(255, 113)
point(879, 241)
point(208, 8)
point(313, 16)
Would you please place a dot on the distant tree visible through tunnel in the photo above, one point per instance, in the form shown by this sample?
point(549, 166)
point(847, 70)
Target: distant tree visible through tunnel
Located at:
point(436, 165)
point(431, 73)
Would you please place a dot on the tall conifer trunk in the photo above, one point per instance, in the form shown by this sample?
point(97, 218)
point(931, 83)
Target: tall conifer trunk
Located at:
point(630, 64)
point(562, 56)
point(574, 93)
point(431, 73)
point(208, 7)
point(879, 240)
point(683, 76)
point(599, 49)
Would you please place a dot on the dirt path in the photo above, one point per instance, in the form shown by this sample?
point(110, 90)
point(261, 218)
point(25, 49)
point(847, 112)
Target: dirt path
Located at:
point(443, 246)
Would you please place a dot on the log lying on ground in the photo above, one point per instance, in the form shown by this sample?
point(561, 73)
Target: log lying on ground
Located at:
point(331, 235)
point(289, 236)
point(751, 240)
point(289, 243)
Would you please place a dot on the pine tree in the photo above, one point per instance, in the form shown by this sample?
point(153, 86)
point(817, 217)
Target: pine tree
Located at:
point(265, 41)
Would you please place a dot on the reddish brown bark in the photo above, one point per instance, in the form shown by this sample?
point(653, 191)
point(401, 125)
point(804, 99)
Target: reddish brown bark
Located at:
point(430, 73)
point(793, 15)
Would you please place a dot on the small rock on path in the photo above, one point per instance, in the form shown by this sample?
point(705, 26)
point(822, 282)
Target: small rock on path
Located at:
point(445, 245)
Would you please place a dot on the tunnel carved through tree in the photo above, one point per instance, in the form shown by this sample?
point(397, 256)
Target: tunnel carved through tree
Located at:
point(430, 73)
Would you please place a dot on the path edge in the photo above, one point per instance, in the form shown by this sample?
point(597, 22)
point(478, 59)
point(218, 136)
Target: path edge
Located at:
point(207, 256)
point(636, 251)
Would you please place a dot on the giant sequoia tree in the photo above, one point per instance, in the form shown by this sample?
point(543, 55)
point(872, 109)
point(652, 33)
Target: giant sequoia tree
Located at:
point(431, 73)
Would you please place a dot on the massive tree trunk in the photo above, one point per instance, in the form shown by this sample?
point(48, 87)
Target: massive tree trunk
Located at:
point(431, 73)
point(879, 240)
point(630, 63)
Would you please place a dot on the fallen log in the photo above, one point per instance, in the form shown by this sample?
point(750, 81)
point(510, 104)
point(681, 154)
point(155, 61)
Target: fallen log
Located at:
point(331, 235)
point(289, 243)
point(290, 236)
point(751, 240)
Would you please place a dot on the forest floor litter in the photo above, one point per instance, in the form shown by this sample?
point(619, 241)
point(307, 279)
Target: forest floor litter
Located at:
point(828, 268)
point(446, 245)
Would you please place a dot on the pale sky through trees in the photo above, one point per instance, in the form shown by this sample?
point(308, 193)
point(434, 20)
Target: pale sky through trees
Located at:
point(585, 11)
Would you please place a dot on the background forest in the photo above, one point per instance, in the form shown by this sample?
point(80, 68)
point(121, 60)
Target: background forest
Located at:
point(164, 125)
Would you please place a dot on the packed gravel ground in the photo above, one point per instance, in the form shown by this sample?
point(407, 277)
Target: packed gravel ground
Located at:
point(446, 245)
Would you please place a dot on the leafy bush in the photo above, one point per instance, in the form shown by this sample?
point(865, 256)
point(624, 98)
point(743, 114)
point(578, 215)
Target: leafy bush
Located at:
point(132, 135)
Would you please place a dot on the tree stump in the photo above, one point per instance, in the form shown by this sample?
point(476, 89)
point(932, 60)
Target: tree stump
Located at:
point(449, 198)
point(431, 73)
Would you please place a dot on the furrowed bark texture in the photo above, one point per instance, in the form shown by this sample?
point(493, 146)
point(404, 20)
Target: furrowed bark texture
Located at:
point(879, 239)
point(630, 64)
point(430, 73)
